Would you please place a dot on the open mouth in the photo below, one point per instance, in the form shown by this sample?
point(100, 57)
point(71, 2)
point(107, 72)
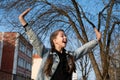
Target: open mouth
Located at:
point(65, 41)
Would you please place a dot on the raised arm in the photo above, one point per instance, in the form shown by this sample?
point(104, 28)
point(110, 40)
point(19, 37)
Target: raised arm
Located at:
point(88, 46)
point(21, 17)
point(33, 38)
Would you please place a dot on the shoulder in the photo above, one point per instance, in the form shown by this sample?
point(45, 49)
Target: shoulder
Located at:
point(69, 52)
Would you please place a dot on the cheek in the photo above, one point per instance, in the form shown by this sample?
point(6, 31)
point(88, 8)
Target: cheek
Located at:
point(57, 41)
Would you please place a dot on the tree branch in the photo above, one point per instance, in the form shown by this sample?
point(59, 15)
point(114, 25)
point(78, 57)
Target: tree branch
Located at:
point(99, 16)
point(80, 20)
point(62, 12)
point(109, 12)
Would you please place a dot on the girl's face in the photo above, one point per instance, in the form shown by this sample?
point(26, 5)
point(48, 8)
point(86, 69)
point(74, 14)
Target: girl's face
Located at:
point(60, 40)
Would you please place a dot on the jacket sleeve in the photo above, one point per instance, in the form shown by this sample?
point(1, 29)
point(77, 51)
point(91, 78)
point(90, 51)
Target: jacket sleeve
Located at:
point(35, 41)
point(78, 53)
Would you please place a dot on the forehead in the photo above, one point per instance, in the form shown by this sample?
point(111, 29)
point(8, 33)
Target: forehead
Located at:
point(61, 33)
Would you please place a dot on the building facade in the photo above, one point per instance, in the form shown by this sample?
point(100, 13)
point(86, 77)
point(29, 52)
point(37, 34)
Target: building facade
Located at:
point(15, 57)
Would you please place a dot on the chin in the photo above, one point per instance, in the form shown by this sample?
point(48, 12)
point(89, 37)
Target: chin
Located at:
point(64, 46)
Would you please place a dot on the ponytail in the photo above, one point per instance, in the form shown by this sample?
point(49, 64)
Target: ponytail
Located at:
point(48, 65)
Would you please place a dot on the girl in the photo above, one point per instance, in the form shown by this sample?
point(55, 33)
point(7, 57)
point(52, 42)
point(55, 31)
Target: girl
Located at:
point(57, 63)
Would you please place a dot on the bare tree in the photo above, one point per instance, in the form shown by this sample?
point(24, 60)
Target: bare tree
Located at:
point(71, 16)
point(85, 67)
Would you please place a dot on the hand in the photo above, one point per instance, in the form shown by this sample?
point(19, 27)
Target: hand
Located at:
point(98, 34)
point(21, 16)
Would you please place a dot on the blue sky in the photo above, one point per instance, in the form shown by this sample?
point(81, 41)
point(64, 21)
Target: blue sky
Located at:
point(2, 25)
point(2, 29)
point(88, 5)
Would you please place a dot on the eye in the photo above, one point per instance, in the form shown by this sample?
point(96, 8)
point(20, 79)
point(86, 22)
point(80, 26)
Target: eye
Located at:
point(62, 35)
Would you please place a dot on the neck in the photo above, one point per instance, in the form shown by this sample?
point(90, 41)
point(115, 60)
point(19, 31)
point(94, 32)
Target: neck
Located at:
point(59, 49)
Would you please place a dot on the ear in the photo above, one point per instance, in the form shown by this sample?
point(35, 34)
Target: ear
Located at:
point(54, 41)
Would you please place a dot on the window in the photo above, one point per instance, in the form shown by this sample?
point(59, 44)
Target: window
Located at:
point(29, 52)
point(22, 47)
point(21, 62)
point(28, 66)
point(24, 63)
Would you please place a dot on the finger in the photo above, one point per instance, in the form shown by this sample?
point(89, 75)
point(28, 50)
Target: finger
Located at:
point(26, 11)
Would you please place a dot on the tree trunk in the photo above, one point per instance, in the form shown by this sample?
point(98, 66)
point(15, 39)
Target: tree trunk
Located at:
point(95, 66)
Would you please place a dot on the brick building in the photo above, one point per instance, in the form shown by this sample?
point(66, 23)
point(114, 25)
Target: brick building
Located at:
point(15, 57)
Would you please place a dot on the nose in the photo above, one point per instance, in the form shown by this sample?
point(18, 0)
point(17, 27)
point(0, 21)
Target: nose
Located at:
point(65, 37)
